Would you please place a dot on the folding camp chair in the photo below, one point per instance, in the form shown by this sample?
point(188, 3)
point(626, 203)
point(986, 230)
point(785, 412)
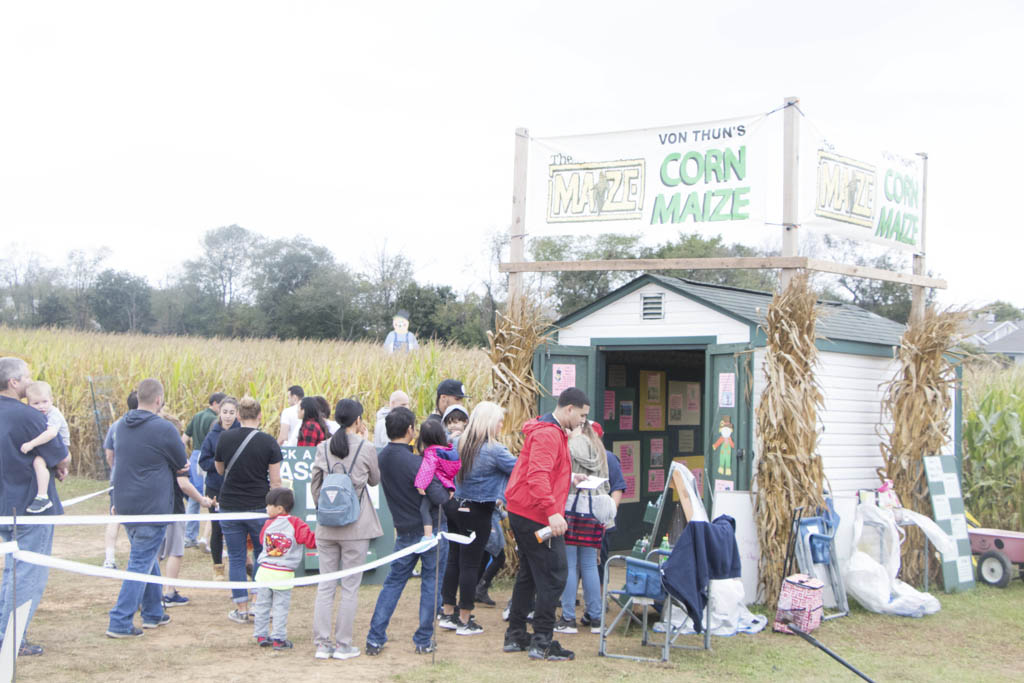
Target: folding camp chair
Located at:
point(816, 547)
point(644, 587)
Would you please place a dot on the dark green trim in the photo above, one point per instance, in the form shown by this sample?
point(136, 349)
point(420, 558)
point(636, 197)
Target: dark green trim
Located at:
point(856, 348)
point(653, 343)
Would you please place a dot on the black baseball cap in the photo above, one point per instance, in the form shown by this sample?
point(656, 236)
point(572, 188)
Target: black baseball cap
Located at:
point(451, 387)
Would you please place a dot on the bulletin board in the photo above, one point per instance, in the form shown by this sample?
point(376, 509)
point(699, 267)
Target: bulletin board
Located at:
point(948, 505)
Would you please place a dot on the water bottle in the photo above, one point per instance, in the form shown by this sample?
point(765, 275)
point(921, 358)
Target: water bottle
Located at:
point(666, 547)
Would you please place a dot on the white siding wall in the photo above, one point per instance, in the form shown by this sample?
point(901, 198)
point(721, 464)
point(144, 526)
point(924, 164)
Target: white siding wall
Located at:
point(853, 387)
point(683, 318)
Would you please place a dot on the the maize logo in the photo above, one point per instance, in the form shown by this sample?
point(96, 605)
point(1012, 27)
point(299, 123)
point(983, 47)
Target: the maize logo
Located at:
point(846, 190)
point(596, 191)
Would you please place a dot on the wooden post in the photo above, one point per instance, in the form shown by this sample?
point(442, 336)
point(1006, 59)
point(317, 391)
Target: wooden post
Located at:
point(517, 229)
point(919, 294)
point(790, 185)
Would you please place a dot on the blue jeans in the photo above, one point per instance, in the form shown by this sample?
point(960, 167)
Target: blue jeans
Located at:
point(31, 577)
point(442, 561)
point(235, 532)
point(394, 584)
point(192, 528)
point(146, 540)
point(582, 562)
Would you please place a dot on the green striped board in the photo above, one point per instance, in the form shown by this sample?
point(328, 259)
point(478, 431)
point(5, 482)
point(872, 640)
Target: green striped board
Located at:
point(948, 506)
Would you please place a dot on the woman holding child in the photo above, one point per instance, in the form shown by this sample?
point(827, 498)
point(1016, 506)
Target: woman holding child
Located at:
point(343, 546)
point(480, 481)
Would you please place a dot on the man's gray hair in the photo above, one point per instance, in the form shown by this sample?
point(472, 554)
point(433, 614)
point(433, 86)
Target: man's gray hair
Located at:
point(11, 368)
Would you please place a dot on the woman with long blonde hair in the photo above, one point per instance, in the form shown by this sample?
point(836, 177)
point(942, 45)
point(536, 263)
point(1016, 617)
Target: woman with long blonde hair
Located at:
point(481, 480)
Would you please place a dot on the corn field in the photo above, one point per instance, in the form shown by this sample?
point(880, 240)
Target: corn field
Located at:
point(193, 368)
point(994, 446)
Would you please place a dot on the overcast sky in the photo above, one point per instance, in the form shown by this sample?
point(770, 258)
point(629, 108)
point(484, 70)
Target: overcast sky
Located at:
point(140, 125)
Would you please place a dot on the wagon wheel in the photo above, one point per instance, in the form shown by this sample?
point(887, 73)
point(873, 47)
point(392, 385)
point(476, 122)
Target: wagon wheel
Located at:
point(994, 569)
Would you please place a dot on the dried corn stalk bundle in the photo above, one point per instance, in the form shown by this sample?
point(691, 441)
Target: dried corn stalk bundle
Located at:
point(517, 334)
point(789, 471)
point(918, 400)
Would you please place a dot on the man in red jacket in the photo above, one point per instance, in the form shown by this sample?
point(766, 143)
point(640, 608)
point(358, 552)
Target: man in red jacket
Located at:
point(536, 495)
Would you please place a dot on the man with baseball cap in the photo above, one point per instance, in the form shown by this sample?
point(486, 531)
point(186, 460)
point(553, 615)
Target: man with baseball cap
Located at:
point(450, 392)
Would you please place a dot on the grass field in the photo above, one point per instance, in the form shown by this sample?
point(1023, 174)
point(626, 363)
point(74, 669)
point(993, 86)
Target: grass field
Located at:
point(977, 636)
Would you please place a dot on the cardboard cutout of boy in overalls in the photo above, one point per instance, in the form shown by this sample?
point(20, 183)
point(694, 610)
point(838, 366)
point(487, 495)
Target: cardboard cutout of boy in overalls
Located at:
point(400, 338)
point(725, 441)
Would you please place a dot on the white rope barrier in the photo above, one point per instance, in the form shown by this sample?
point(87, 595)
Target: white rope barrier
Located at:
point(11, 547)
point(71, 520)
point(79, 499)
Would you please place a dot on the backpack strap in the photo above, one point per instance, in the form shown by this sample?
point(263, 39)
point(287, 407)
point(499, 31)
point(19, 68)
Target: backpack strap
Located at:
point(353, 464)
point(234, 458)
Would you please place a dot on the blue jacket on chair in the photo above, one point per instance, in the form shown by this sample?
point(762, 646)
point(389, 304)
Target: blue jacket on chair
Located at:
point(703, 552)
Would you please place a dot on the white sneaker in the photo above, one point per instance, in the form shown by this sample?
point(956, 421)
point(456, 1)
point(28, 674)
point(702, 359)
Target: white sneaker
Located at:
point(109, 564)
point(470, 628)
point(345, 652)
point(323, 652)
point(448, 621)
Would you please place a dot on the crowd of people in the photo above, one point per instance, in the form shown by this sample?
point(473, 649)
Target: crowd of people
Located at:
point(449, 472)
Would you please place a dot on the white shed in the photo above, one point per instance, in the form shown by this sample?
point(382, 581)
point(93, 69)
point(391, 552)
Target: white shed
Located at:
point(670, 364)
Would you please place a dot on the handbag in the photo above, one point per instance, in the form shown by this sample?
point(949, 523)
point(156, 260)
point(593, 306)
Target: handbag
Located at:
point(584, 529)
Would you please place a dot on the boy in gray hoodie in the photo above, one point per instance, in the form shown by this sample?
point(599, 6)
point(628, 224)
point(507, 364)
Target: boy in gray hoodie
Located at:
point(282, 537)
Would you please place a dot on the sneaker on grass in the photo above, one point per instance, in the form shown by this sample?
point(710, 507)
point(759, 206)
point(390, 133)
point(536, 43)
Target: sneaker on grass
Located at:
point(425, 649)
point(282, 645)
point(238, 617)
point(469, 628)
point(162, 621)
point(322, 652)
point(264, 641)
point(109, 564)
point(345, 652)
point(564, 625)
point(133, 632)
point(39, 504)
point(513, 645)
point(175, 599)
point(448, 621)
point(28, 649)
point(373, 650)
point(554, 652)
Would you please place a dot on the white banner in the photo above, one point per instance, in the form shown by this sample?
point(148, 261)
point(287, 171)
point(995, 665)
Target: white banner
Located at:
point(865, 195)
point(676, 178)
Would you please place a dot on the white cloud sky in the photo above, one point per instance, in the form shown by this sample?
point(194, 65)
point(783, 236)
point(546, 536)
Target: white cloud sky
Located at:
point(140, 125)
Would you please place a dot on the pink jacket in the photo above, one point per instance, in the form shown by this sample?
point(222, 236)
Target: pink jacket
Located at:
point(442, 462)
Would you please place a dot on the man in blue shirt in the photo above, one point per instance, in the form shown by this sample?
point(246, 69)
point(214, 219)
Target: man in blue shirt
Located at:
point(20, 423)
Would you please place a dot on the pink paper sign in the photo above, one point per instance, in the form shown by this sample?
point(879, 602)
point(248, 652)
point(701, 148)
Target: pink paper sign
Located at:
point(655, 481)
point(609, 405)
point(626, 457)
point(723, 485)
point(563, 376)
point(630, 491)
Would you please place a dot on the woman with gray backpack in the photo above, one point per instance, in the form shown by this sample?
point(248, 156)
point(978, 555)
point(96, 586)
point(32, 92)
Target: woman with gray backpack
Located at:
point(343, 467)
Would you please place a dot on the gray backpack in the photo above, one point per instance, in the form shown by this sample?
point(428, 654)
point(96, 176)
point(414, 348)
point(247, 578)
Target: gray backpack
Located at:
point(338, 504)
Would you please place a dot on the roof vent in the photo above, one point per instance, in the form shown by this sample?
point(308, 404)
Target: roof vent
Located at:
point(652, 307)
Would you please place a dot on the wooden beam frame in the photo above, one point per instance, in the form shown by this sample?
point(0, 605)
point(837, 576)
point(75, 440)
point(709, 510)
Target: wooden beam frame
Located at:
point(739, 262)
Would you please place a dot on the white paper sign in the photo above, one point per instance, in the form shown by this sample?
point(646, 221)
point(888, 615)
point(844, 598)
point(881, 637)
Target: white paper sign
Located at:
point(941, 505)
point(591, 482)
point(964, 571)
point(933, 467)
point(952, 484)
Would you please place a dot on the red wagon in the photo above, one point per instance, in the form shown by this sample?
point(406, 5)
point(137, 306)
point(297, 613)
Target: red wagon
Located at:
point(999, 549)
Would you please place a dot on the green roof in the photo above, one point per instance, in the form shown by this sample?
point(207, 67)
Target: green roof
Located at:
point(837, 321)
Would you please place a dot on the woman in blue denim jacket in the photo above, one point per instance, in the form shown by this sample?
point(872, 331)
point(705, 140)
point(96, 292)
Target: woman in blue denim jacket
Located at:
point(481, 480)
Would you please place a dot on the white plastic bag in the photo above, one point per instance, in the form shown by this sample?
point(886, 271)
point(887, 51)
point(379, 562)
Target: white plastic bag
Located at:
point(870, 574)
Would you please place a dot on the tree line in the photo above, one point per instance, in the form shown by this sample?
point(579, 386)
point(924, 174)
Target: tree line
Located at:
point(242, 284)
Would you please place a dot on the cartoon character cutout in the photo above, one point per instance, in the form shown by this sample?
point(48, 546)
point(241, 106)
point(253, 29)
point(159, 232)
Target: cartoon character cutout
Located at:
point(400, 338)
point(726, 443)
point(277, 545)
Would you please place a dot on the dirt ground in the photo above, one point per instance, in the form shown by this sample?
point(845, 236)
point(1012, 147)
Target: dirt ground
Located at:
point(976, 636)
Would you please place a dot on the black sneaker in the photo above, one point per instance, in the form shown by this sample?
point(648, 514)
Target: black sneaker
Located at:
point(514, 645)
point(448, 621)
point(482, 596)
point(564, 625)
point(425, 649)
point(372, 650)
point(133, 632)
point(282, 645)
point(469, 628)
point(39, 504)
point(594, 624)
point(175, 599)
point(553, 653)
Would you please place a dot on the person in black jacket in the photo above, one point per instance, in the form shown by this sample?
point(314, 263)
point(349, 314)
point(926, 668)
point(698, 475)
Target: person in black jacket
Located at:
point(398, 468)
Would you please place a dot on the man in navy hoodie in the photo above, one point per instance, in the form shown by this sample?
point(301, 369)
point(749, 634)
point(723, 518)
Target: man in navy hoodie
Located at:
point(149, 454)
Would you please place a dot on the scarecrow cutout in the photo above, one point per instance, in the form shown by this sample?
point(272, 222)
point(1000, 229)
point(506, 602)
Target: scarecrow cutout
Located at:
point(400, 338)
point(726, 443)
